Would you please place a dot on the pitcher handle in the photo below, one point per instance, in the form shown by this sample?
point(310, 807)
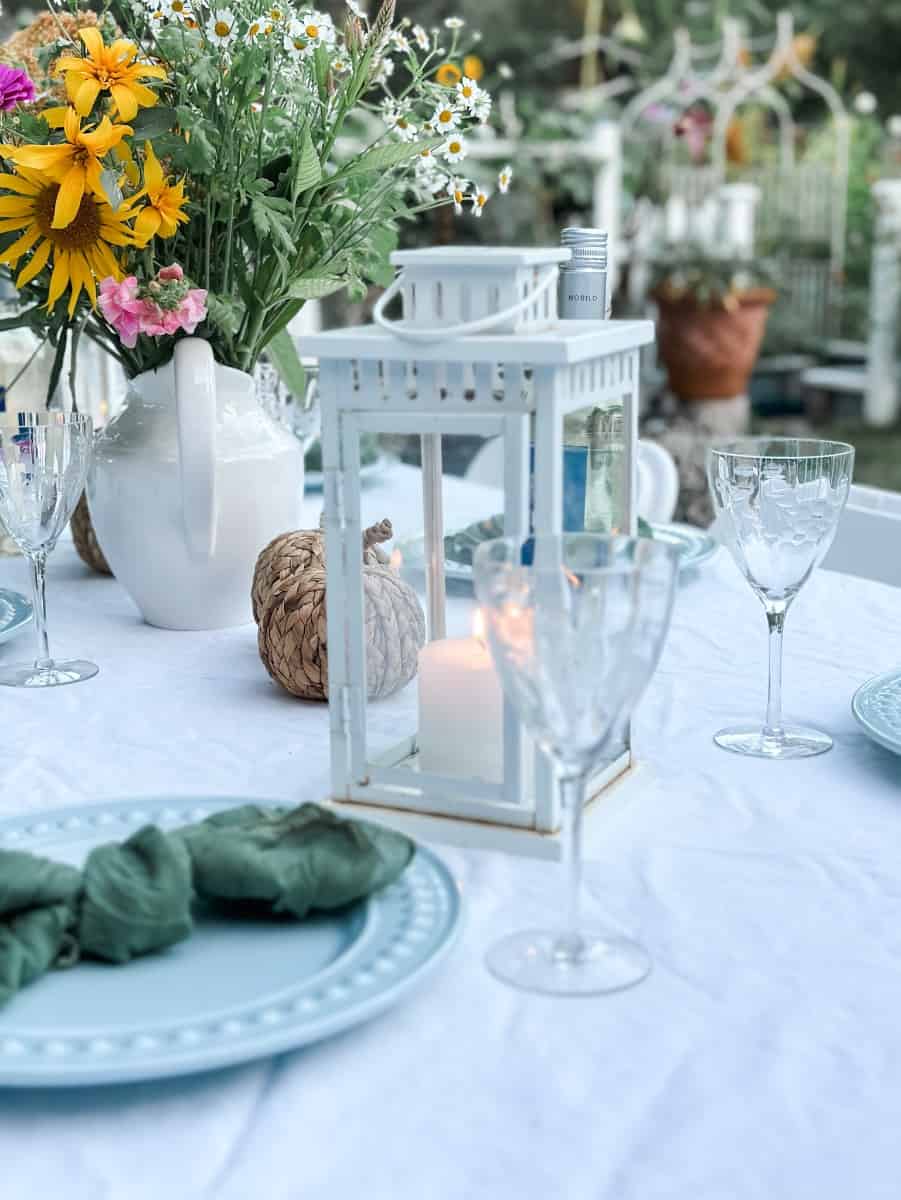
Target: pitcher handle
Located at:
point(195, 396)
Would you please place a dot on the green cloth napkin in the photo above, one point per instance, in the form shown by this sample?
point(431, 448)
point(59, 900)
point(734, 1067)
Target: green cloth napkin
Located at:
point(135, 897)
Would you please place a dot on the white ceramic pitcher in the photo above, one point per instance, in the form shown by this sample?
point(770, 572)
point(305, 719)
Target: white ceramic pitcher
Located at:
point(190, 481)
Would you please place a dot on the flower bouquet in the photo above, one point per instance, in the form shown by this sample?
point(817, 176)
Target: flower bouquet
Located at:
point(179, 180)
point(174, 168)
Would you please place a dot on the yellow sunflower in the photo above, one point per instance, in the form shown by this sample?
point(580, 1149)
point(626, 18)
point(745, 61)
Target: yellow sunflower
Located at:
point(81, 252)
point(75, 164)
point(164, 210)
point(111, 69)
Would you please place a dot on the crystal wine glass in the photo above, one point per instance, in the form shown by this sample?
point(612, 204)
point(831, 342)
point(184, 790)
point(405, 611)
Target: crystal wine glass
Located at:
point(44, 460)
point(575, 624)
point(778, 502)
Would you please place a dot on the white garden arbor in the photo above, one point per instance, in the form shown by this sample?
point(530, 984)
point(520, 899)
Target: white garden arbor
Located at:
point(800, 221)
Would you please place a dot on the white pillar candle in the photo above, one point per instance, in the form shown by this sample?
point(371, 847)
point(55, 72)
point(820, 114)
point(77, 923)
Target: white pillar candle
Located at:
point(461, 711)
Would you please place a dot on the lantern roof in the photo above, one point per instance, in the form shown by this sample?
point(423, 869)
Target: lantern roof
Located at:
point(480, 258)
point(565, 343)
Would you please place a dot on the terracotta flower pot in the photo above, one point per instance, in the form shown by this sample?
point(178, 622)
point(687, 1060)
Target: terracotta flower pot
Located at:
point(709, 350)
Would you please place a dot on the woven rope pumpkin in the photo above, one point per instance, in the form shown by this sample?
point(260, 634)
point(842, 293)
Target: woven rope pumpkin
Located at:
point(289, 608)
point(85, 538)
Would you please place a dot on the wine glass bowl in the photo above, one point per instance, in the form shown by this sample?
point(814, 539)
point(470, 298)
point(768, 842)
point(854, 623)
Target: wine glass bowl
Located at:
point(44, 462)
point(575, 624)
point(778, 502)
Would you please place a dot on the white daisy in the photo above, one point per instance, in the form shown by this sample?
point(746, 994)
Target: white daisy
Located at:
point(156, 18)
point(459, 189)
point(221, 27)
point(317, 28)
point(398, 122)
point(179, 9)
point(480, 198)
point(504, 179)
point(468, 93)
point(454, 149)
point(454, 23)
point(255, 29)
point(481, 109)
point(400, 42)
point(277, 15)
point(385, 71)
point(421, 38)
point(445, 118)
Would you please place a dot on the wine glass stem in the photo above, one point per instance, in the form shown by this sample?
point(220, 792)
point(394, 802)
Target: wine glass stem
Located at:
point(38, 583)
point(776, 621)
point(569, 945)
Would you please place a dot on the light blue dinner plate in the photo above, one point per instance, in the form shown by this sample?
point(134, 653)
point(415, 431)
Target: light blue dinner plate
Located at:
point(234, 991)
point(877, 708)
point(695, 546)
point(15, 613)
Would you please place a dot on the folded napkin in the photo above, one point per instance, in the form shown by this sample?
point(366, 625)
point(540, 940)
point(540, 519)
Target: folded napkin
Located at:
point(134, 897)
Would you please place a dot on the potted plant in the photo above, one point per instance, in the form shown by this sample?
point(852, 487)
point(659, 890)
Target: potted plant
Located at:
point(204, 171)
point(712, 315)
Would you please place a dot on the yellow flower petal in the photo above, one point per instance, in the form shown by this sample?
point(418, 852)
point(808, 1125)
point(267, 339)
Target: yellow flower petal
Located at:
point(93, 41)
point(69, 197)
point(8, 224)
point(146, 225)
point(55, 116)
point(86, 95)
point(42, 158)
point(59, 278)
point(15, 206)
point(125, 101)
point(153, 172)
point(68, 62)
point(37, 264)
point(15, 183)
point(21, 245)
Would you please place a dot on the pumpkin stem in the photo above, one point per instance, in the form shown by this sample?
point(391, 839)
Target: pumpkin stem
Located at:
point(376, 534)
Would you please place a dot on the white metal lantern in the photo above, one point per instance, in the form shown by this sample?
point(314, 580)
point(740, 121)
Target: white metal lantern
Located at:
point(430, 375)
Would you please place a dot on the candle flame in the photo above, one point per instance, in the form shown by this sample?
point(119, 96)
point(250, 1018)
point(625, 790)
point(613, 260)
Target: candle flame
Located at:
point(479, 630)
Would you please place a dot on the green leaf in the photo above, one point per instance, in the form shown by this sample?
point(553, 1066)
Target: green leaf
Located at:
point(384, 158)
point(308, 171)
point(224, 312)
point(174, 147)
point(283, 353)
point(151, 122)
point(316, 287)
point(57, 369)
point(259, 214)
point(34, 128)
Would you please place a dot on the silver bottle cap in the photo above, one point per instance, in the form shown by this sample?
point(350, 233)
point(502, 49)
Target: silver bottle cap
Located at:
point(588, 246)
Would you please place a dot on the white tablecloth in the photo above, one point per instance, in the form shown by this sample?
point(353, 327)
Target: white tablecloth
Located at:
point(760, 1061)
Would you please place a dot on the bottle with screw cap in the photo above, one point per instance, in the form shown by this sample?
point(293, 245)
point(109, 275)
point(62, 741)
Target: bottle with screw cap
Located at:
point(584, 287)
point(594, 438)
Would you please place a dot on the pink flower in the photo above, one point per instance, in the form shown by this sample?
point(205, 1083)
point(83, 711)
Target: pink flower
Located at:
point(193, 309)
point(15, 88)
point(120, 305)
point(132, 309)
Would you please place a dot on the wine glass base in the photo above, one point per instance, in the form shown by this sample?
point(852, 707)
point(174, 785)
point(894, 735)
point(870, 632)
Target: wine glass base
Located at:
point(536, 961)
point(793, 742)
point(55, 674)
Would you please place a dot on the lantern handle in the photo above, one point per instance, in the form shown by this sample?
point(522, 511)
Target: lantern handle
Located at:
point(482, 325)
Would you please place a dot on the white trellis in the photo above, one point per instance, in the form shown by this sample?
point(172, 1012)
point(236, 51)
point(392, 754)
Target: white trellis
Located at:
point(803, 203)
